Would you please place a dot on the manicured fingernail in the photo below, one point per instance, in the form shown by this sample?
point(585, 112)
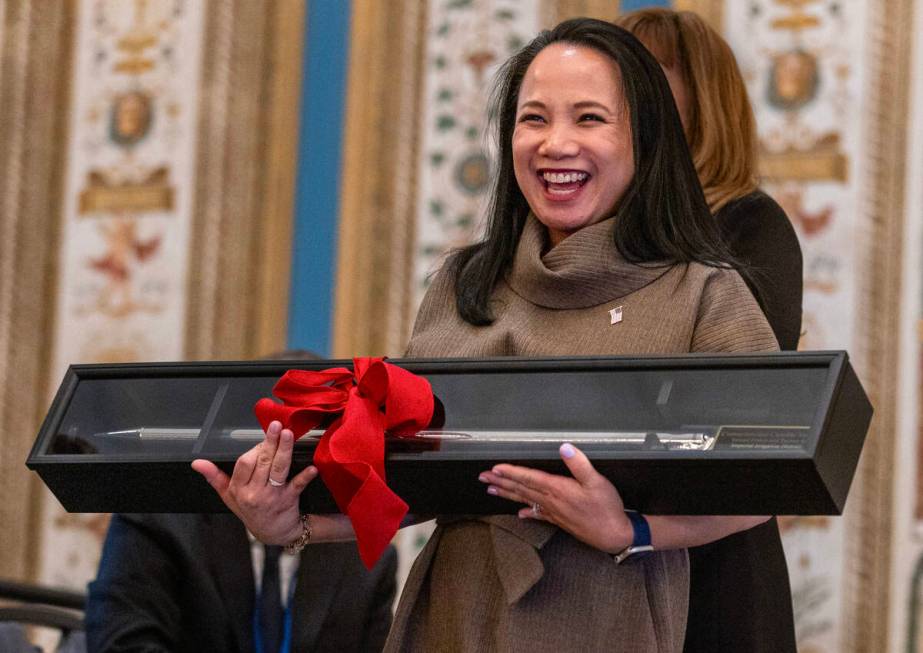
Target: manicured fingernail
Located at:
point(497, 472)
point(483, 479)
point(567, 450)
point(491, 490)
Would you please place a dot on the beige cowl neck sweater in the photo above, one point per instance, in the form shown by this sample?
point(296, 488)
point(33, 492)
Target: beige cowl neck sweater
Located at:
point(500, 583)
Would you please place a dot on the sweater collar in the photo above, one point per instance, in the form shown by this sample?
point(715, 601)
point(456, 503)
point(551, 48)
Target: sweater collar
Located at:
point(584, 270)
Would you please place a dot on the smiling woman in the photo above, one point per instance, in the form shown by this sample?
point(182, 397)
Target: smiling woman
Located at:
point(596, 212)
point(557, 113)
point(572, 152)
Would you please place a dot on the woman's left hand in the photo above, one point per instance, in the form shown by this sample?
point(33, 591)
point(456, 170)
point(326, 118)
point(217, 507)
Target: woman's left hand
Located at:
point(587, 506)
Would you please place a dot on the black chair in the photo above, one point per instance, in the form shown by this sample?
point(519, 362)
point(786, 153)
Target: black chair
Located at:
point(34, 605)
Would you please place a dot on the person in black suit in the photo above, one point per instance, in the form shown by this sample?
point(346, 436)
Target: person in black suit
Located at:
point(184, 582)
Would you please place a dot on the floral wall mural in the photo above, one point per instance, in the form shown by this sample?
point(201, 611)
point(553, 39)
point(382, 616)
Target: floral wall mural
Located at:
point(127, 210)
point(467, 41)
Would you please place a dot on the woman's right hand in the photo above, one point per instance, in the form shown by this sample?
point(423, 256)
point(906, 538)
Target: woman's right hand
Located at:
point(270, 510)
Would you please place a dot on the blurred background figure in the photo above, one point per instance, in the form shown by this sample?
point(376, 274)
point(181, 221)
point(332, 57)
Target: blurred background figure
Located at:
point(199, 583)
point(203, 583)
point(743, 577)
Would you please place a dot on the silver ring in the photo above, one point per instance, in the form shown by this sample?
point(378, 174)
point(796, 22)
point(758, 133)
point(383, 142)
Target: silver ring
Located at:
point(275, 483)
point(536, 508)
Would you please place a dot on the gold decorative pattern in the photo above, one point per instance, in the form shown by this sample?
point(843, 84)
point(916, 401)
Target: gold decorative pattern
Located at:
point(377, 206)
point(811, 165)
point(31, 156)
point(868, 554)
point(559, 10)
point(151, 194)
point(275, 219)
point(711, 10)
point(241, 244)
point(210, 179)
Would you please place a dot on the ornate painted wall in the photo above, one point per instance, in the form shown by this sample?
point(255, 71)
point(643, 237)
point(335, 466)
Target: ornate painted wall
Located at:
point(806, 86)
point(465, 45)
point(829, 83)
point(127, 214)
point(147, 219)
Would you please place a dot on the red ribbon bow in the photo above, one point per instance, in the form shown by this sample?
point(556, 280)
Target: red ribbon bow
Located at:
point(350, 456)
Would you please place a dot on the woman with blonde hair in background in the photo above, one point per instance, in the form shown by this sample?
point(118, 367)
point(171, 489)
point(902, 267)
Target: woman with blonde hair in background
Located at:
point(740, 599)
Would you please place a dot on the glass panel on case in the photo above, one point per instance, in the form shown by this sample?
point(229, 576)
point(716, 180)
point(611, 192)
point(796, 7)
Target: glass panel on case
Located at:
point(495, 413)
point(235, 427)
point(145, 416)
point(652, 410)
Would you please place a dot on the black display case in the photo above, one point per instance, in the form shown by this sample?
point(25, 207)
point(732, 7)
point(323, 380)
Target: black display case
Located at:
point(694, 434)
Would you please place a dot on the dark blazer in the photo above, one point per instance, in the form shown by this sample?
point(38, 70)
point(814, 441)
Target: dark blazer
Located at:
point(739, 593)
point(185, 583)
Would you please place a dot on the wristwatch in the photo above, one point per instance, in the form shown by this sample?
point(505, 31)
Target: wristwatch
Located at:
point(640, 543)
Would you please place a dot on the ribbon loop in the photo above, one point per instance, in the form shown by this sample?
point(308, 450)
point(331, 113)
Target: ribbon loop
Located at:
point(375, 397)
point(372, 381)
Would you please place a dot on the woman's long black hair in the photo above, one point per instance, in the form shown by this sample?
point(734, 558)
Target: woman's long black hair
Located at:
point(662, 216)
